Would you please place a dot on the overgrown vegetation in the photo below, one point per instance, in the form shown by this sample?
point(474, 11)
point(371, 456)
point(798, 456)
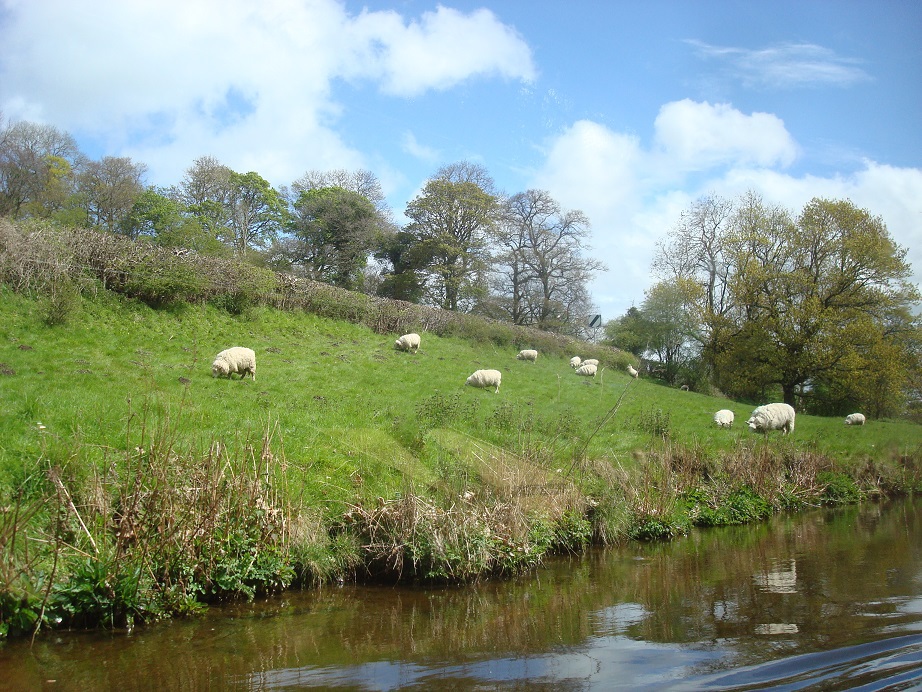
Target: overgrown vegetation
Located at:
point(134, 486)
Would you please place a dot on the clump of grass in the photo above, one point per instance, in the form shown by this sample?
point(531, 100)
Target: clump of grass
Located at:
point(162, 531)
point(412, 538)
point(440, 410)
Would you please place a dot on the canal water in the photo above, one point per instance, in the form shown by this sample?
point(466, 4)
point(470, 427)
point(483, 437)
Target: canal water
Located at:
point(827, 599)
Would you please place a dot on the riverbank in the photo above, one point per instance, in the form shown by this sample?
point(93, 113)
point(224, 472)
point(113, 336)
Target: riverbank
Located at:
point(764, 604)
point(134, 486)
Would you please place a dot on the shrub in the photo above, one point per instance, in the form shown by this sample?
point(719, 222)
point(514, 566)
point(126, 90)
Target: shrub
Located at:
point(838, 488)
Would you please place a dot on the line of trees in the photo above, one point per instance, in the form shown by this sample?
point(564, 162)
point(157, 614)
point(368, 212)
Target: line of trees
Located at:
point(814, 308)
point(466, 247)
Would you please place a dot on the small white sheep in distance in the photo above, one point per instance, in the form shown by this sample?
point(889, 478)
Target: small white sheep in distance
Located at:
point(724, 418)
point(408, 342)
point(632, 372)
point(485, 378)
point(586, 370)
point(772, 417)
point(855, 419)
point(237, 359)
point(575, 362)
point(528, 354)
point(590, 361)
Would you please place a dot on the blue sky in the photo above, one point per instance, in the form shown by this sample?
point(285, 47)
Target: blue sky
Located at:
point(628, 111)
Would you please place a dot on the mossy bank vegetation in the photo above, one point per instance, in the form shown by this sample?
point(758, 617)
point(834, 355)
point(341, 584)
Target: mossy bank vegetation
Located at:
point(134, 486)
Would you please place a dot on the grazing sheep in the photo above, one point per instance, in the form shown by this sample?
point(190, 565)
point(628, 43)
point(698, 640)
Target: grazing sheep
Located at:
point(528, 354)
point(590, 361)
point(575, 362)
point(684, 387)
point(586, 369)
point(236, 359)
point(408, 342)
point(855, 419)
point(632, 372)
point(724, 418)
point(772, 417)
point(485, 378)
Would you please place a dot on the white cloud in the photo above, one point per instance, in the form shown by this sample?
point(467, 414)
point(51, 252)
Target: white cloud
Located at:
point(786, 65)
point(182, 78)
point(698, 136)
point(634, 195)
point(442, 49)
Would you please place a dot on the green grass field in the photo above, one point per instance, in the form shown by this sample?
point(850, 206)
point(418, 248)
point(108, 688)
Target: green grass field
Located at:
point(340, 403)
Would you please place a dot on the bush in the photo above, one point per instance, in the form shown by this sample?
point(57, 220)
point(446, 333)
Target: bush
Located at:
point(838, 488)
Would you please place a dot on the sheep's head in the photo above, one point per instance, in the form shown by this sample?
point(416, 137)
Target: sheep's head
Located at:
point(219, 369)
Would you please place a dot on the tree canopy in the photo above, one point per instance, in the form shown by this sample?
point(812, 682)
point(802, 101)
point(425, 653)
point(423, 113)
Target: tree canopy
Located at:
point(450, 221)
point(817, 306)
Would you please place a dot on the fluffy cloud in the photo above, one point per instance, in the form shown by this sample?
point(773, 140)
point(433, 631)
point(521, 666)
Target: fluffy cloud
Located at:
point(698, 136)
point(167, 81)
point(442, 49)
point(634, 195)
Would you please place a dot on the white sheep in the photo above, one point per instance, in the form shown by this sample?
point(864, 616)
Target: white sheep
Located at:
point(485, 378)
point(586, 370)
point(528, 354)
point(855, 419)
point(575, 362)
point(590, 361)
point(237, 359)
point(632, 372)
point(408, 342)
point(772, 417)
point(724, 418)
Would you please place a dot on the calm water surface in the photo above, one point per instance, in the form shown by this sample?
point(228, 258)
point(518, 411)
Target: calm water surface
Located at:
point(822, 600)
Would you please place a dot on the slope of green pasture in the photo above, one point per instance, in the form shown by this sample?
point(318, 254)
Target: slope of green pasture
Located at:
point(350, 417)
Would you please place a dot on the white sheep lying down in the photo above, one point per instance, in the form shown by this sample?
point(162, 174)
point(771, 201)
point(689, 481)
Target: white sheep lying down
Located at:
point(575, 362)
point(591, 361)
point(485, 378)
point(724, 418)
point(528, 354)
point(772, 417)
point(237, 359)
point(408, 342)
point(855, 419)
point(586, 370)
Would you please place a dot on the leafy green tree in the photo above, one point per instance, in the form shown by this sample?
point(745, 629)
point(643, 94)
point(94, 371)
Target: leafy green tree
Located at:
point(166, 221)
point(450, 223)
point(334, 231)
point(630, 332)
point(668, 321)
point(819, 294)
point(361, 182)
point(816, 308)
point(206, 193)
point(407, 261)
point(660, 330)
point(256, 213)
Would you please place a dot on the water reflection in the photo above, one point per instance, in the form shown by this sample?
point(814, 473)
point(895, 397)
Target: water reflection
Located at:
point(769, 600)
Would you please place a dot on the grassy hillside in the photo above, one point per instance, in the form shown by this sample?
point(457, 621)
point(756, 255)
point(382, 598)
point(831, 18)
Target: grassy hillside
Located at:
point(352, 418)
point(135, 485)
point(338, 399)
